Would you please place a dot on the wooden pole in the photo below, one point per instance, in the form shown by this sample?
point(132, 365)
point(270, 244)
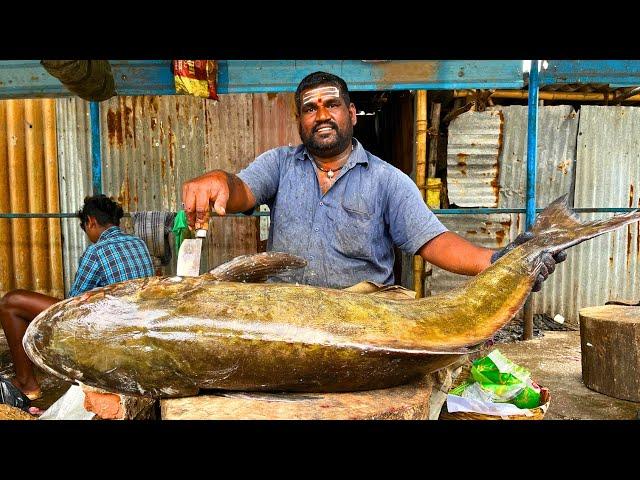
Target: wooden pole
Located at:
point(433, 141)
point(421, 178)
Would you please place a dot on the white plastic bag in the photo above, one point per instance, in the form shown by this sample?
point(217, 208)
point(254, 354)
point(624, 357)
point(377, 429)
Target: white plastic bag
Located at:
point(68, 407)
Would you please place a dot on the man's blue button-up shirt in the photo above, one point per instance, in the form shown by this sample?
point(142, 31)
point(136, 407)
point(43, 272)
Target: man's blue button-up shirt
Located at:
point(346, 235)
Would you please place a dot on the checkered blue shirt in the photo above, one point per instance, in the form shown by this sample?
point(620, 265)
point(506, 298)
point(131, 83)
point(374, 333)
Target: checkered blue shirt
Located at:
point(115, 257)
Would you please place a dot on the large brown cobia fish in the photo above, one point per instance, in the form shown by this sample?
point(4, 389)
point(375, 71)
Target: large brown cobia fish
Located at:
point(172, 336)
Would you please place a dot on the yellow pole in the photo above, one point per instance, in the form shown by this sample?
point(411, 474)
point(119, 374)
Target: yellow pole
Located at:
point(421, 178)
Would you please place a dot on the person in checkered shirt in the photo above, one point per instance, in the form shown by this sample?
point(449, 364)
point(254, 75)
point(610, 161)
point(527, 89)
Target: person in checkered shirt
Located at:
point(113, 257)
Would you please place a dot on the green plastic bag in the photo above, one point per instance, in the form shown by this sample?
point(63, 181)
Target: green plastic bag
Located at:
point(495, 378)
point(180, 229)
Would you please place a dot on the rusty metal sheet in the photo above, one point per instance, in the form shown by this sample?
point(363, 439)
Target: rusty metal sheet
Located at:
point(607, 175)
point(489, 231)
point(229, 138)
point(151, 145)
point(274, 125)
point(474, 144)
point(556, 154)
point(31, 257)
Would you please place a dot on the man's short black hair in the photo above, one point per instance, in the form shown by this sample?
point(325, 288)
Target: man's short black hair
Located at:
point(316, 79)
point(104, 209)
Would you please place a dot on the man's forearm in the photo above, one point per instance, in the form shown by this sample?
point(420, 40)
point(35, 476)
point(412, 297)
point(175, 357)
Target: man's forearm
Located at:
point(455, 254)
point(241, 198)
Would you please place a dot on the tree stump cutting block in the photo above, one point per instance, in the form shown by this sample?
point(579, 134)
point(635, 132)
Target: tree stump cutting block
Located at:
point(610, 338)
point(406, 402)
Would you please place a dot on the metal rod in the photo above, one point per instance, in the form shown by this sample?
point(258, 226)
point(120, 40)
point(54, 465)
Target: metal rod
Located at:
point(442, 211)
point(527, 333)
point(75, 215)
point(96, 154)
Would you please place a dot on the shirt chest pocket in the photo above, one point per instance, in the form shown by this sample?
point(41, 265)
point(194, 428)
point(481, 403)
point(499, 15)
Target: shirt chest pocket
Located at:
point(355, 227)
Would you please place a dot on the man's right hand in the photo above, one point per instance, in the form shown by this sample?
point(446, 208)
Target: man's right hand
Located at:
point(200, 192)
point(227, 193)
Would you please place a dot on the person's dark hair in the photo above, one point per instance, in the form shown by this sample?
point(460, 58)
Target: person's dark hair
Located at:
point(316, 79)
point(105, 210)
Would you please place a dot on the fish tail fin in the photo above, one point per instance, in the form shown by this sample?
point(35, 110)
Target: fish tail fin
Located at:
point(558, 227)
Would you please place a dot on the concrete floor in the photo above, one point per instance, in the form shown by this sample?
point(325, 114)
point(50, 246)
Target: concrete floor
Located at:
point(555, 362)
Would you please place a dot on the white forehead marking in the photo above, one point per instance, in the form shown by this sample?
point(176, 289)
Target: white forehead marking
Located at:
point(316, 93)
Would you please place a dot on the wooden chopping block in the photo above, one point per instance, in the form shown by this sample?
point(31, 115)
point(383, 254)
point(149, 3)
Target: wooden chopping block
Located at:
point(420, 400)
point(114, 406)
point(610, 344)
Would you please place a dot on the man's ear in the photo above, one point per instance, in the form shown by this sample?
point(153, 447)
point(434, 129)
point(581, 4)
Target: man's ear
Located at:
point(352, 114)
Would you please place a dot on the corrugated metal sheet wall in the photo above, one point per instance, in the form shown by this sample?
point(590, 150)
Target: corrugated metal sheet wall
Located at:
point(74, 160)
point(608, 174)
point(230, 146)
point(601, 160)
point(151, 145)
point(30, 250)
point(475, 141)
point(274, 125)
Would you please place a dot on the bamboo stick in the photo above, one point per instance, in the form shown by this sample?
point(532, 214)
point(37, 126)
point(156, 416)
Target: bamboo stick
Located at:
point(569, 96)
point(421, 178)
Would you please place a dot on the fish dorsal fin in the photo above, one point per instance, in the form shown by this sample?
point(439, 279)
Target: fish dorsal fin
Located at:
point(257, 267)
point(558, 215)
point(396, 292)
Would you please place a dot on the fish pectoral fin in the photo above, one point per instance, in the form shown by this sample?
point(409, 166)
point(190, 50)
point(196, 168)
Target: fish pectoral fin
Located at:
point(257, 267)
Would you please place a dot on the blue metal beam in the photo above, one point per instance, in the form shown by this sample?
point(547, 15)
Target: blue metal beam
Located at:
point(237, 76)
point(96, 153)
point(28, 79)
point(616, 73)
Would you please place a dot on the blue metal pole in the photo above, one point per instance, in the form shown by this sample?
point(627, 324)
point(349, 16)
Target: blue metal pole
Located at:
point(96, 154)
point(530, 204)
point(532, 143)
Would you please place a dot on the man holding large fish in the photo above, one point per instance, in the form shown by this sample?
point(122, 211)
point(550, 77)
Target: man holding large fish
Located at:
point(336, 210)
point(335, 204)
